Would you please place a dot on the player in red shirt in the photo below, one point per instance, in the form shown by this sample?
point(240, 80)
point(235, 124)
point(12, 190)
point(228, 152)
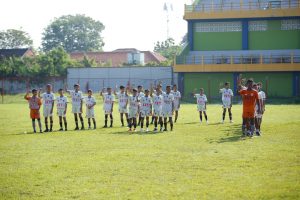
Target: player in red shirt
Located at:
point(250, 100)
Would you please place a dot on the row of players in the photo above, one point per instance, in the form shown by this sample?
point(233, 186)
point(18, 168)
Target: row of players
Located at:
point(163, 105)
point(140, 104)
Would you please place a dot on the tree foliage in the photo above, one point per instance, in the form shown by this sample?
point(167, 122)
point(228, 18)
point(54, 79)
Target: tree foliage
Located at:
point(168, 49)
point(13, 38)
point(73, 33)
point(52, 63)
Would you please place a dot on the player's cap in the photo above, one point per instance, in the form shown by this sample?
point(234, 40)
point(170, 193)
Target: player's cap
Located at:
point(122, 87)
point(34, 90)
point(134, 90)
point(76, 84)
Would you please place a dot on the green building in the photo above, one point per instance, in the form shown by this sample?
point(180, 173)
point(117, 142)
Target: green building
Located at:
point(259, 39)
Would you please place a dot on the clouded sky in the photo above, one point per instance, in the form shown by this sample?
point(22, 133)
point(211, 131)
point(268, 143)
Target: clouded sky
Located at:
point(128, 23)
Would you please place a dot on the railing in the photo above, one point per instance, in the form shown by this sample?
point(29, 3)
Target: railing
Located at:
point(212, 6)
point(244, 58)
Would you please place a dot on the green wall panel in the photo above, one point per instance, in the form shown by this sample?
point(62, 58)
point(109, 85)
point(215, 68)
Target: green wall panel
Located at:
point(210, 82)
point(217, 41)
point(274, 38)
point(275, 84)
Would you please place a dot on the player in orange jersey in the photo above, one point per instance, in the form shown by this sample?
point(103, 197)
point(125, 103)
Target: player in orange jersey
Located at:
point(34, 105)
point(250, 100)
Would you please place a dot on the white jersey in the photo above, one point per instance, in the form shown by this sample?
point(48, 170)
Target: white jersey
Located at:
point(157, 102)
point(201, 99)
point(48, 99)
point(61, 102)
point(168, 100)
point(226, 94)
point(108, 100)
point(140, 95)
point(262, 95)
point(133, 102)
point(76, 97)
point(177, 97)
point(89, 101)
point(123, 98)
point(146, 103)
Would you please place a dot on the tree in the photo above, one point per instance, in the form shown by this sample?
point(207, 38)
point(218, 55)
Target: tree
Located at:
point(86, 62)
point(168, 49)
point(55, 62)
point(13, 38)
point(73, 33)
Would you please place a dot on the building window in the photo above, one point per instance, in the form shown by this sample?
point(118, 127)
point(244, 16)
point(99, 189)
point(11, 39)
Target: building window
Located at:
point(218, 27)
point(258, 25)
point(291, 24)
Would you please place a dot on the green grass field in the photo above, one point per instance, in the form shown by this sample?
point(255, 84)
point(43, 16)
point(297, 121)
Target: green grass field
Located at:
point(192, 162)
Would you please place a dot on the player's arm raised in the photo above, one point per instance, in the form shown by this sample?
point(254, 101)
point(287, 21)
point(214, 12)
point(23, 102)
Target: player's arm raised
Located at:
point(26, 95)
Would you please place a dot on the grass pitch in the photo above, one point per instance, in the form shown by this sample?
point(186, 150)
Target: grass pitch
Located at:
point(192, 162)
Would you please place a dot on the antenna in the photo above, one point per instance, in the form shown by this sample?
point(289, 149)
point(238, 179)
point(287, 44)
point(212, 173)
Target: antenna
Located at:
point(167, 8)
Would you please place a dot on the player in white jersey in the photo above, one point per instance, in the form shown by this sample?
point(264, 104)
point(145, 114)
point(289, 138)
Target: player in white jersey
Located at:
point(258, 117)
point(77, 102)
point(168, 107)
point(123, 103)
point(201, 104)
point(90, 102)
point(227, 95)
point(48, 104)
point(146, 109)
point(177, 98)
point(61, 105)
point(133, 101)
point(157, 108)
point(140, 94)
point(108, 106)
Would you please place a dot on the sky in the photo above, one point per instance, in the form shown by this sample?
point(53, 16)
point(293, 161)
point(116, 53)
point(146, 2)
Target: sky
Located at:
point(128, 23)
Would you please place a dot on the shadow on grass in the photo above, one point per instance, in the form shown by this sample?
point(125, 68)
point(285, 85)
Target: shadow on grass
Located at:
point(232, 134)
point(137, 133)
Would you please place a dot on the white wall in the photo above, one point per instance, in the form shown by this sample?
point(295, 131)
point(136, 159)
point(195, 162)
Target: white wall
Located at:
point(98, 78)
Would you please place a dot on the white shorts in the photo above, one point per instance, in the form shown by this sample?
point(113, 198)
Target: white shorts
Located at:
point(201, 108)
point(76, 109)
point(123, 110)
point(132, 113)
point(90, 113)
point(167, 113)
point(107, 112)
point(61, 112)
point(258, 115)
point(157, 113)
point(145, 113)
point(226, 104)
point(47, 111)
point(176, 107)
